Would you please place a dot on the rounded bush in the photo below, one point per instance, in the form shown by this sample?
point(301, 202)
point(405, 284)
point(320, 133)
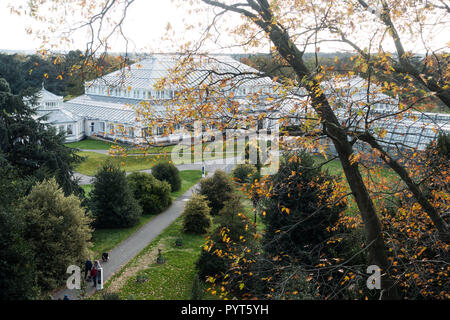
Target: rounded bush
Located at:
point(217, 189)
point(196, 215)
point(165, 171)
point(153, 195)
point(243, 173)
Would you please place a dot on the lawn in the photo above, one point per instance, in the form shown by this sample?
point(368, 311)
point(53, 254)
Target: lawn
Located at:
point(87, 188)
point(129, 164)
point(94, 144)
point(151, 150)
point(90, 144)
point(334, 167)
point(106, 239)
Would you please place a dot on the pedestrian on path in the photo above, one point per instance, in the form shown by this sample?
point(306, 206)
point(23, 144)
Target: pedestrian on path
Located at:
point(87, 269)
point(94, 272)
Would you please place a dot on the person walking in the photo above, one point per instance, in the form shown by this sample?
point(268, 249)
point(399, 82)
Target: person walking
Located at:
point(87, 268)
point(94, 273)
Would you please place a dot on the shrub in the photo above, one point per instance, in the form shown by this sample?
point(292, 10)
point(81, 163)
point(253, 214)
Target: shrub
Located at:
point(179, 242)
point(196, 215)
point(231, 217)
point(217, 189)
point(111, 199)
point(244, 173)
point(153, 195)
point(234, 231)
point(110, 296)
point(57, 228)
point(165, 171)
point(142, 278)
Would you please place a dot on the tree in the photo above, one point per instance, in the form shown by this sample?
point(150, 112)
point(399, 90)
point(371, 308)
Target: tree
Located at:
point(217, 189)
point(17, 258)
point(165, 171)
point(62, 74)
point(419, 258)
point(153, 195)
point(111, 199)
point(244, 173)
point(58, 231)
point(297, 215)
point(196, 217)
point(16, 255)
point(433, 79)
point(269, 18)
point(33, 148)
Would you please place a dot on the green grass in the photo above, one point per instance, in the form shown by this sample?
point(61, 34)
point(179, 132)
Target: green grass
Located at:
point(106, 239)
point(93, 144)
point(334, 167)
point(90, 144)
point(131, 163)
point(151, 150)
point(87, 188)
point(188, 179)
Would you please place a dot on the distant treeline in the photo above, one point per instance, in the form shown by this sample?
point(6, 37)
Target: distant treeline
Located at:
point(274, 66)
point(62, 74)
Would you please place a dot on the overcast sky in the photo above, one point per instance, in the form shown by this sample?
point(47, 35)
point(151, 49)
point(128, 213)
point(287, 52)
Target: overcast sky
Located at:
point(145, 25)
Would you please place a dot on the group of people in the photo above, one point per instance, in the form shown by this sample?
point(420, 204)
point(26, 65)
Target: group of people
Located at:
point(91, 271)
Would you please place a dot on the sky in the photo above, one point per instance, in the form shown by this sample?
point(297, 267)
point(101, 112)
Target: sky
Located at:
point(146, 23)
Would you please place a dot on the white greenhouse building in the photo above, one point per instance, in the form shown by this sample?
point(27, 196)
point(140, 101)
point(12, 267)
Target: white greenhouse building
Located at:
point(108, 107)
